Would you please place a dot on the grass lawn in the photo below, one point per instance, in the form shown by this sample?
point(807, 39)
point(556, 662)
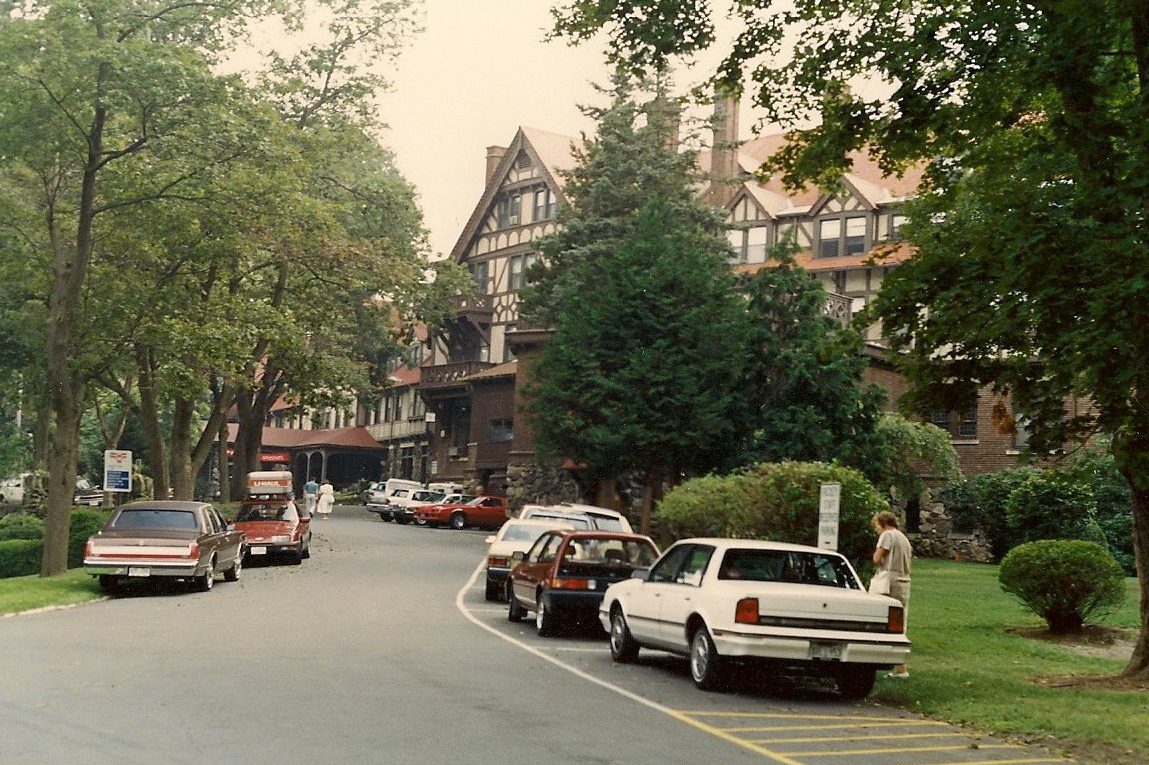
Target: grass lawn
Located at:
point(24, 593)
point(969, 667)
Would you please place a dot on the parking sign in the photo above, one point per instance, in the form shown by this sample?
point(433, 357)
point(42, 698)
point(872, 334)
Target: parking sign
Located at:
point(117, 470)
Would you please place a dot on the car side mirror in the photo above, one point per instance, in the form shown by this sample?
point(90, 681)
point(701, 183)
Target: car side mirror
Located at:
point(518, 555)
point(641, 573)
point(490, 540)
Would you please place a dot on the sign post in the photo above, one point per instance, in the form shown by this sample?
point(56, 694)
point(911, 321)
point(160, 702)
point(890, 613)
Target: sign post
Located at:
point(117, 470)
point(829, 504)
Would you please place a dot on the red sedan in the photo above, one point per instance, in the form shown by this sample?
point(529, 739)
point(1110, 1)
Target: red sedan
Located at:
point(563, 576)
point(275, 526)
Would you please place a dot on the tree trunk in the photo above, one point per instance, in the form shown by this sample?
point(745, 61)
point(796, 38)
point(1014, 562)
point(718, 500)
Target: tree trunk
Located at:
point(183, 479)
point(1131, 454)
point(63, 452)
point(149, 414)
point(649, 480)
point(222, 463)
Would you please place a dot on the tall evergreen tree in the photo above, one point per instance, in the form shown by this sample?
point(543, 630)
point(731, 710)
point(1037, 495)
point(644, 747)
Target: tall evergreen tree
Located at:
point(641, 373)
point(804, 391)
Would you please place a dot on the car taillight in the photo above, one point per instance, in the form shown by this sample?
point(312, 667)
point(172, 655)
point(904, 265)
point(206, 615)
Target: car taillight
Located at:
point(746, 612)
point(88, 552)
point(569, 584)
point(497, 561)
point(193, 550)
point(896, 622)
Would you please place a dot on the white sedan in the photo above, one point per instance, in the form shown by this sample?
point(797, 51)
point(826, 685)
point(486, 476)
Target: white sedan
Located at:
point(722, 600)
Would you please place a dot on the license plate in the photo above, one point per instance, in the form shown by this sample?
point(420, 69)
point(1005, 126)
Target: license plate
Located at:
point(257, 550)
point(139, 571)
point(826, 651)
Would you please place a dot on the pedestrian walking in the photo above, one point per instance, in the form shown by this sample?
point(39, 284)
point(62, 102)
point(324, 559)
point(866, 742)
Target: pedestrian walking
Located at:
point(892, 556)
point(310, 495)
point(326, 499)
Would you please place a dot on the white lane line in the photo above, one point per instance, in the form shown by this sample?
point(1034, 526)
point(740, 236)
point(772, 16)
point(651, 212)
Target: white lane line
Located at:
point(481, 568)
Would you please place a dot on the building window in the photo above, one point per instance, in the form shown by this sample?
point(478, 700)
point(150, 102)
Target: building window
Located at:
point(841, 237)
point(897, 220)
point(479, 274)
point(544, 204)
point(407, 462)
point(508, 210)
point(957, 424)
point(418, 408)
point(515, 273)
point(508, 354)
point(749, 244)
point(499, 431)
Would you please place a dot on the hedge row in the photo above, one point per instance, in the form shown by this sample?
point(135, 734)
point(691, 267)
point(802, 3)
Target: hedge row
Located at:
point(21, 540)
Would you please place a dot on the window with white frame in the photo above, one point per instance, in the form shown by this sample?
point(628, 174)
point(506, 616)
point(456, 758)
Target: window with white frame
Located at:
point(749, 243)
point(959, 424)
point(508, 210)
point(479, 272)
point(515, 272)
point(842, 236)
point(544, 207)
point(508, 354)
point(897, 220)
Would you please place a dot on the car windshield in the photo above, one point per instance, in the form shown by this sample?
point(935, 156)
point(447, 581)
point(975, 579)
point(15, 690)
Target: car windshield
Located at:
point(629, 552)
point(787, 566)
point(155, 518)
point(475, 501)
point(267, 512)
point(428, 496)
point(606, 523)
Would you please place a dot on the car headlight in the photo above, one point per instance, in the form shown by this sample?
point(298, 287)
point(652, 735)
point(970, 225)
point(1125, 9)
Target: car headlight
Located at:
point(281, 539)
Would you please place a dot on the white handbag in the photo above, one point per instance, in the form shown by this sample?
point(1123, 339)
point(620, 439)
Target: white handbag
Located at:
point(880, 584)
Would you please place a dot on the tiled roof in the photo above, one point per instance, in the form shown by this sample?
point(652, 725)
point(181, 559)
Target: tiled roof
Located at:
point(500, 370)
point(294, 438)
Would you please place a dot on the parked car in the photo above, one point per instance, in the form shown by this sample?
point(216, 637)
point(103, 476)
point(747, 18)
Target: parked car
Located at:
point(87, 494)
point(587, 516)
point(378, 492)
point(450, 499)
point(275, 527)
point(12, 489)
point(398, 505)
point(484, 510)
point(168, 538)
point(516, 535)
point(564, 574)
point(789, 606)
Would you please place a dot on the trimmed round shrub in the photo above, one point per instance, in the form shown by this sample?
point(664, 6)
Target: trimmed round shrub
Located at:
point(1067, 582)
point(21, 526)
point(776, 501)
point(20, 557)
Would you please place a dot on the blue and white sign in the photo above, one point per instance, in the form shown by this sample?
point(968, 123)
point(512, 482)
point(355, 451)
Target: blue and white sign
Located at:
point(117, 470)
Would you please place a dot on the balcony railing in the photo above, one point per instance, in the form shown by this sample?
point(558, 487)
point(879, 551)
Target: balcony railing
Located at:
point(450, 375)
point(838, 307)
point(474, 306)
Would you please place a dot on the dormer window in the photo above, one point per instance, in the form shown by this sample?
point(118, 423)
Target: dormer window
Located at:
point(508, 210)
point(842, 237)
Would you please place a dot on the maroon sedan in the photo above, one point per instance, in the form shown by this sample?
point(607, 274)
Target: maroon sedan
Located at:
point(563, 576)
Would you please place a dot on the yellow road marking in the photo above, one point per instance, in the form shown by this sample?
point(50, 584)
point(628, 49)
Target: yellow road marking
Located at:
point(882, 736)
point(892, 723)
point(956, 748)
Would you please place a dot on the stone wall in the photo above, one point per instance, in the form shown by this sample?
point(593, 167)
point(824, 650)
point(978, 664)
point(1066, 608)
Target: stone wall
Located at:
point(936, 538)
point(534, 485)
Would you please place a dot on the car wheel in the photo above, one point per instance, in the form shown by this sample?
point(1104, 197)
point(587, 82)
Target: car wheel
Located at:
point(855, 682)
point(205, 581)
point(403, 520)
point(232, 574)
point(458, 521)
point(109, 582)
point(492, 591)
point(420, 521)
point(307, 548)
point(623, 646)
point(705, 663)
point(515, 612)
point(546, 622)
point(297, 554)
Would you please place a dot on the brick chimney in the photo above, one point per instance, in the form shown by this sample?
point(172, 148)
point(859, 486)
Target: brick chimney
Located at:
point(494, 156)
point(724, 169)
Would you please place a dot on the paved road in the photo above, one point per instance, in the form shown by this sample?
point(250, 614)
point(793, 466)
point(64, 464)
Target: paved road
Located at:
point(381, 649)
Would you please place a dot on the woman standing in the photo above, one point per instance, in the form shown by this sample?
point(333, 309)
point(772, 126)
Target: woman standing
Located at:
point(326, 499)
point(893, 555)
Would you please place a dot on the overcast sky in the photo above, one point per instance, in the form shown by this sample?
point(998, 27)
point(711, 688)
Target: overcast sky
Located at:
point(479, 71)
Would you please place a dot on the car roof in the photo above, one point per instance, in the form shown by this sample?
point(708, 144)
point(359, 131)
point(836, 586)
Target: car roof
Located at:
point(577, 534)
point(754, 544)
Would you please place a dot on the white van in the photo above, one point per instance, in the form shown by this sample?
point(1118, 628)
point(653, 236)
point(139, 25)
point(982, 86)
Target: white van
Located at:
point(582, 516)
point(447, 487)
point(378, 492)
